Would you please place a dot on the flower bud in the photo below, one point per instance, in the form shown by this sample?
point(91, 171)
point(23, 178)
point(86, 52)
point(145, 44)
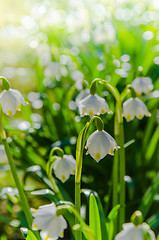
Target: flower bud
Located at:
point(5, 83)
point(137, 218)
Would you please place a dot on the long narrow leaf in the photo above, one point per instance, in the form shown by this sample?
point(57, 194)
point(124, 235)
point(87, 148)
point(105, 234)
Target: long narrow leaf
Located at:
point(149, 197)
point(94, 217)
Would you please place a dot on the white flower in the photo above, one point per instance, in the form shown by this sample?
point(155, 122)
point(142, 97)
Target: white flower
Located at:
point(134, 107)
point(142, 85)
point(3, 156)
point(64, 166)
point(99, 144)
point(11, 101)
point(83, 93)
point(132, 232)
point(93, 105)
point(45, 219)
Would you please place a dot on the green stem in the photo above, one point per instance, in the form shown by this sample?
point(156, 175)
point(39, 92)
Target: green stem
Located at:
point(122, 175)
point(23, 199)
point(56, 189)
point(49, 165)
point(116, 169)
point(78, 235)
point(79, 159)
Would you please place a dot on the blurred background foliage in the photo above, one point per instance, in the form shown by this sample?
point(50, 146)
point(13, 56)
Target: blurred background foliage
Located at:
point(47, 49)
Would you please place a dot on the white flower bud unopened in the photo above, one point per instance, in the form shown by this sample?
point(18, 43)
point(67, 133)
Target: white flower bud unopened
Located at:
point(64, 167)
point(99, 144)
point(11, 101)
point(132, 232)
point(93, 105)
point(142, 85)
point(45, 219)
point(135, 107)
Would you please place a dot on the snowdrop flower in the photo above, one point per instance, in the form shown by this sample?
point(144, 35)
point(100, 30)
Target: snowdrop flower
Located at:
point(45, 219)
point(99, 144)
point(134, 107)
point(93, 105)
point(64, 167)
point(11, 101)
point(131, 232)
point(142, 85)
point(3, 156)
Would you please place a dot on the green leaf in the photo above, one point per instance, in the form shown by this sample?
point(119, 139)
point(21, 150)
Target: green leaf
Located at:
point(28, 234)
point(153, 221)
point(152, 144)
point(94, 217)
point(110, 229)
point(148, 198)
point(104, 233)
point(46, 193)
point(112, 215)
point(31, 236)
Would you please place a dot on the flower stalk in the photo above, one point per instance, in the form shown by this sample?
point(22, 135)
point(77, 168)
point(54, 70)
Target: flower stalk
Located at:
point(118, 167)
point(79, 159)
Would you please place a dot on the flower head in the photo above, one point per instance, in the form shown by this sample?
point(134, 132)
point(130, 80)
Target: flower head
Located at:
point(93, 105)
point(131, 232)
point(83, 93)
point(3, 156)
point(99, 144)
point(45, 219)
point(64, 166)
point(134, 107)
point(142, 85)
point(11, 101)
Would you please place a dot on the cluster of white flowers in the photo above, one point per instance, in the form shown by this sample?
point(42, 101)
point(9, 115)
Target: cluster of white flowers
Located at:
point(45, 219)
point(98, 145)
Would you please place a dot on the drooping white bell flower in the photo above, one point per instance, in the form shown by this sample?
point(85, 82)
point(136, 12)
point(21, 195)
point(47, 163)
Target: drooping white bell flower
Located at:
point(142, 85)
point(134, 107)
point(3, 156)
point(11, 101)
point(99, 144)
point(45, 219)
point(132, 232)
point(64, 167)
point(93, 105)
point(83, 93)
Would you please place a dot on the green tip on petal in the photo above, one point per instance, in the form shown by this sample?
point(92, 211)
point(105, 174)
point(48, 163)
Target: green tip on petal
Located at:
point(5, 83)
point(137, 218)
